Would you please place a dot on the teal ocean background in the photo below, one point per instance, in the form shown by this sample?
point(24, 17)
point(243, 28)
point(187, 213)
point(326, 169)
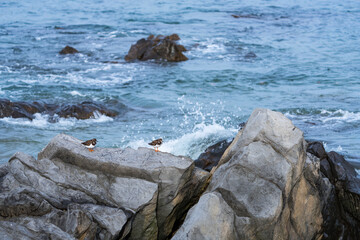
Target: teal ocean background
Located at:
point(307, 66)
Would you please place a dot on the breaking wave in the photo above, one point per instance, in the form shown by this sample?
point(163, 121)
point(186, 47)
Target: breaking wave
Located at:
point(194, 143)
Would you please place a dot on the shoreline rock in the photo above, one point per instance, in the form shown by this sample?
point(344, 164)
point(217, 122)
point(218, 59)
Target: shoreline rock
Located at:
point(160, 47)
point(106, 194)
point(83, 110)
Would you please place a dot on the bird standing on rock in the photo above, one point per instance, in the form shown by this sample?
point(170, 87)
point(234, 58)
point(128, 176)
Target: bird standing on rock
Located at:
point(90, 144)
point(156, 144)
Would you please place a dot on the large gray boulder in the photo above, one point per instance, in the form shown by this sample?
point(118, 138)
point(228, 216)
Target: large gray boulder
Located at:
point(69, 192)
point(259, 190)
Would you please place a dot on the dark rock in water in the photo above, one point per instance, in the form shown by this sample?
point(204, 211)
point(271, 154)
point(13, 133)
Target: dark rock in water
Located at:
point(210, 158)
point(341, 196)
point(245, 16)
point(160, 47)
point(18, 109)
point(173, 37)
point(250, 55)
point(347, 184)
point(84, 110)
point(342, 169)
point(68, 50)
point(317, 149)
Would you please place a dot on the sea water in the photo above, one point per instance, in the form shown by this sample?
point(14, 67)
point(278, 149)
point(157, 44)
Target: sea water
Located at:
point(307, 66)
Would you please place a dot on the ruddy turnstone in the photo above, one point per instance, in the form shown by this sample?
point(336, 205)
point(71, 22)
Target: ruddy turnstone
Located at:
point(90, 144)
point(156, 144)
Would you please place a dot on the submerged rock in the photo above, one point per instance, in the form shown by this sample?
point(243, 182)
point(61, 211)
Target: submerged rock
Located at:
point(84, 110)
point(250, 55)
point(69, 192)
point(245, 16)
point(160, 47)
point(68, 50)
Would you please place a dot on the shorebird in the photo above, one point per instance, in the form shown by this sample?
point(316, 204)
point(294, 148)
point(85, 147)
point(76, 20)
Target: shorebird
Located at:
point(90, 144)
point(156, 144)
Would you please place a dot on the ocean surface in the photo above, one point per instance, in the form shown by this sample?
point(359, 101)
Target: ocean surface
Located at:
point(307, 66)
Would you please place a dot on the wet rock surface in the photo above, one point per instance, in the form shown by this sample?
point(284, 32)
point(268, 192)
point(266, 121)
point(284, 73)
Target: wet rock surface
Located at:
point(160, 47)
point(68, 50)
point(84, 110)
point(69, 192)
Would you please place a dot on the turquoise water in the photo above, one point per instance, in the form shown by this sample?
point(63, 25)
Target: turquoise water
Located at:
point(307, 66)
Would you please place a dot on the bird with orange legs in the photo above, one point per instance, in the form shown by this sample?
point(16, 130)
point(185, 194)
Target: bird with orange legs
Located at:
point(156, 144)
point(90, 144)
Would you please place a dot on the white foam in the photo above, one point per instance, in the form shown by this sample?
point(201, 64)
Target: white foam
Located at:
point(99, 118)
point(138, 31)
point(112, 34)
point(337, 149)
point(41, 121)
point(213, 48)
point(76, 93)
point(194, 143)
point(340, 116)
point(5, 69)
point(328, 117)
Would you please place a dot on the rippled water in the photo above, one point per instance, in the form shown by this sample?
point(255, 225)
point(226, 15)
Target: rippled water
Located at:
point(307, 66)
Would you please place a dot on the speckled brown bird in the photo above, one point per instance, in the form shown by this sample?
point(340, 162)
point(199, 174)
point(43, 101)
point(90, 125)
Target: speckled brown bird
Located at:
point(90, 144)
point(156, 144)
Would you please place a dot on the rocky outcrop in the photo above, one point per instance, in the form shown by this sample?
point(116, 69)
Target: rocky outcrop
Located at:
point(341, 194)
point(68, 50)
point(84, 110)
point(160, 47)
point(69, 192)
point(265, 187)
